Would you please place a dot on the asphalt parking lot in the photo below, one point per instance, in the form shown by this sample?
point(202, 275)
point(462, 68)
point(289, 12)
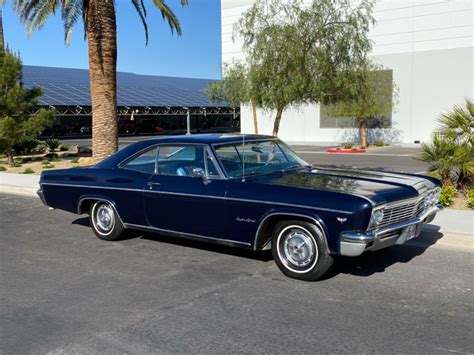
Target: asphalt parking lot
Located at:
point(65, 291)
point(390, 158)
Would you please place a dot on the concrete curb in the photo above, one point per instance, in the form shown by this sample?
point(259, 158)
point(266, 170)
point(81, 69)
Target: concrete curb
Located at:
point(447, 221)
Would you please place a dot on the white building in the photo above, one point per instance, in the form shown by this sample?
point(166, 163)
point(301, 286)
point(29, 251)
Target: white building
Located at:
point(429, 46)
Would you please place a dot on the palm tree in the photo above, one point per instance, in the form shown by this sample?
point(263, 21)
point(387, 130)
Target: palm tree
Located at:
point(100, 28)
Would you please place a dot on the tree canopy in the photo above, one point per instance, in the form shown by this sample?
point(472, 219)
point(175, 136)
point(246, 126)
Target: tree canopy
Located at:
point(16, 123)
point(297, 54)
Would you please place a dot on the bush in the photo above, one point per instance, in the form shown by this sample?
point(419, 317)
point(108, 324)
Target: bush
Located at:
point(470, 198)
point(2, 168)
point(15, 164)
point(48, 166)
point(448, 193)
point(348, 146)
point(75, 161)
point(452, 160)
point(52, 157)
point(52, 144)
point(26, 147)
point(379, 143)
point(28, 171)
point(45, 162)
point(64, 147)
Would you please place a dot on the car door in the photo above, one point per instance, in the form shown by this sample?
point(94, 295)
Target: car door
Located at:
point(177, 200)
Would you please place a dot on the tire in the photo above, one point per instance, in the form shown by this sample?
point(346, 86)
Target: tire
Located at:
point(105, 221)
point(300, 250)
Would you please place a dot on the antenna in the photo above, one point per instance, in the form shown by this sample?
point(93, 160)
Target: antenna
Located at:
point(243, 158)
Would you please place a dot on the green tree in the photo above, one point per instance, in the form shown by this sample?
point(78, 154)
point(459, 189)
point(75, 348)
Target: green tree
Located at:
point(100, 28)
point(17, 125)
point(376, 95)
point(299, 54)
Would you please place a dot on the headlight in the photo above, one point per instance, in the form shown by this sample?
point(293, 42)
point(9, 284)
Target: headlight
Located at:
point(377, 217)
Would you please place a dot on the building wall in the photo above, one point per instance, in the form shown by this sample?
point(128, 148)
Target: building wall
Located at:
point(429, 45)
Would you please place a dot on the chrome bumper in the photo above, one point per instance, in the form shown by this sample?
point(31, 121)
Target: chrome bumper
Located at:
point(41, 196)
point(355, 243)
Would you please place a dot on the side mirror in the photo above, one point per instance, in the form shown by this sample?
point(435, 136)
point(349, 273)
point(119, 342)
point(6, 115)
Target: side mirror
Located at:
point(201, 174)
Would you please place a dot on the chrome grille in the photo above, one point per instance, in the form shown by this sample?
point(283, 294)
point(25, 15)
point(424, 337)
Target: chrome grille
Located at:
point(400, 212)
point(392, 234)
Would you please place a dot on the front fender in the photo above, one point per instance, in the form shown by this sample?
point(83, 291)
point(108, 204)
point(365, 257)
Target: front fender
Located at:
point(268, 221)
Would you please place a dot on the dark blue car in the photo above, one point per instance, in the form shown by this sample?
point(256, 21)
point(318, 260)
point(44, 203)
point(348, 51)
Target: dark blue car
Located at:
point(247, 191)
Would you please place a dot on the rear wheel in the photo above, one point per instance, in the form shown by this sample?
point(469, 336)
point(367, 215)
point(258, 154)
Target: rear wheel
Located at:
point(300, 250)
point(105, 222)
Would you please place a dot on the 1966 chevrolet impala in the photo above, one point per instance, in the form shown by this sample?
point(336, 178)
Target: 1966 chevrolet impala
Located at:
point(247, 191)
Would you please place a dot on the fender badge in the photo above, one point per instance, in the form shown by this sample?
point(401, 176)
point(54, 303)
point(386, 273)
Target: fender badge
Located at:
point(342, 220)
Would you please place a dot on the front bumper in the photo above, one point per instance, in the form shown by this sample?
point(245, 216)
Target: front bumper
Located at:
point(355, 243)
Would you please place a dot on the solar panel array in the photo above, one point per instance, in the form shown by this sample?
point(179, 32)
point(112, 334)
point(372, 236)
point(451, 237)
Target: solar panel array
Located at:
point(70, 87)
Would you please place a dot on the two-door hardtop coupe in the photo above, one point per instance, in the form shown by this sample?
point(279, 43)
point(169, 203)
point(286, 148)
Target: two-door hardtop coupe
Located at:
point(248, 191)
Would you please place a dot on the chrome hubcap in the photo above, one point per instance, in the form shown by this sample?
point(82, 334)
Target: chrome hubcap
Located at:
point(105, 218)
point(298, 248)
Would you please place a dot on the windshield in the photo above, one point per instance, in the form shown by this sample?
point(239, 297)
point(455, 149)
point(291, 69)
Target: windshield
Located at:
point(257, 158)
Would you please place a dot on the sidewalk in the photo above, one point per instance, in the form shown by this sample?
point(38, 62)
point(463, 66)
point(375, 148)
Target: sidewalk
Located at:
point(447, 221)
point(19, 184)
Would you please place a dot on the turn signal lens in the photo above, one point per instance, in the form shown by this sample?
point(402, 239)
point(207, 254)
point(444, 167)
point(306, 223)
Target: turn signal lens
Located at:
point(377, 217)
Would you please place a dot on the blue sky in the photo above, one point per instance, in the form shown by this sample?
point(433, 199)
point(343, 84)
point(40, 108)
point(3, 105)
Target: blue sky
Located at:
point(197, 53)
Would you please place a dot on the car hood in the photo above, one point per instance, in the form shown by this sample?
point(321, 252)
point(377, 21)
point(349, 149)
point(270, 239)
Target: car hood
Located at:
point(378, 187)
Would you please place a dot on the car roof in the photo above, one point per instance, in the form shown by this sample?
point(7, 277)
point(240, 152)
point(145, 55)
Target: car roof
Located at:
point(209, 138)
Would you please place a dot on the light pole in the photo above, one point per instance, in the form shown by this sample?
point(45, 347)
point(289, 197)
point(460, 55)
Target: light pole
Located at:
point(188, 121)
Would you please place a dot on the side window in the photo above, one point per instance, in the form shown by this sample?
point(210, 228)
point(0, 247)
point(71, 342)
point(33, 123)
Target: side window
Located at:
point(145, 162)
point(179, 160)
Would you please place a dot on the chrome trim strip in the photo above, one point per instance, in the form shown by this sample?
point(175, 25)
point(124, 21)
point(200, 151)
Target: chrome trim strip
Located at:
point(189, 235)
point(40, 193)
point(205, 196)
point(287, 214)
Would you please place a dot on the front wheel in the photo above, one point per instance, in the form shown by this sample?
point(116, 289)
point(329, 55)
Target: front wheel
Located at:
point(300, 250)
point(105, 221)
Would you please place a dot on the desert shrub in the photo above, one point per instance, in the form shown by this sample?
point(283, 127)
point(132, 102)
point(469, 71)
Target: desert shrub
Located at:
point(52, 157)
point(348, 146)
point(45, 162)
point(28, 171)
point(75, 160)
point(448, 193)
point(52, 144)
point(26, 147)
point(15, 164)
point(48, 166)
point(379, 143)
point(470, 198)
point(2, 168)
point(64, 147)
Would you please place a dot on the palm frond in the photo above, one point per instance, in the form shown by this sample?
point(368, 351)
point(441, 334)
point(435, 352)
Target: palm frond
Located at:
point(169, 15)
point(141, 10)
point(71, 11)
point(458, 124)
point(34, 13)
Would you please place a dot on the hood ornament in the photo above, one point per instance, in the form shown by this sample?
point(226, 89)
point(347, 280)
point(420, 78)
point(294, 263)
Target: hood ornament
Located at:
point(341, 219)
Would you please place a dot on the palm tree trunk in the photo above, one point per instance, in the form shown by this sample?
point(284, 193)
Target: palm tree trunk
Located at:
point(102, 42)
point(363, 132)
point(2, 39)
point(276, 124)
point(255, 122)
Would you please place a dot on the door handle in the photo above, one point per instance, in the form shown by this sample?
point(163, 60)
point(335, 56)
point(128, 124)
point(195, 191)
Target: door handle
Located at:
point(151, 184)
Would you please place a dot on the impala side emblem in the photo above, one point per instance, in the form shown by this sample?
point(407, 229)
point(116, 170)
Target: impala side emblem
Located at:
point(342, 220)
point(245, 220)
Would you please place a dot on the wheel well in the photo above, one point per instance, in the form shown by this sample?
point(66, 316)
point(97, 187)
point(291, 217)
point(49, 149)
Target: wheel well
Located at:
point(85, 205)
point(265, 232)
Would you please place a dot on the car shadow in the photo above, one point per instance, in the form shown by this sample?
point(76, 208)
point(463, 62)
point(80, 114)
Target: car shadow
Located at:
point(365, 265)
point(263, 255)
point(379, 261)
